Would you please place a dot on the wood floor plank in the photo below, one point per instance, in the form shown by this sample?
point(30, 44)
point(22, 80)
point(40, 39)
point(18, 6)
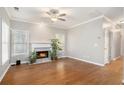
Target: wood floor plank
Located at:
point(64, 71)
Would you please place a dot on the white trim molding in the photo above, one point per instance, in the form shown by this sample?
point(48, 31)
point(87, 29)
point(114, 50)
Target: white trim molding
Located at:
point(123, 81)
point(7, 11)
point(2, 76)
point(116, 58)
point(86, 61)
point(88, 21)
point(22, 62)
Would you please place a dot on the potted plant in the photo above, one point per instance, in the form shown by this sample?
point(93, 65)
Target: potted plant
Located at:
point(33, 57)
point(55, 44)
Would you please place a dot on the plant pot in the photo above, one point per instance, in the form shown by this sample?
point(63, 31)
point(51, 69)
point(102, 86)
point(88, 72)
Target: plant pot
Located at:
point(32, 61)
point(54, 58)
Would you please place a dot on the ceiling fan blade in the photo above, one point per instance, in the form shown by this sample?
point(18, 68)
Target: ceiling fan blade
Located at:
point(62, 14)
point(122, 20)
point(61, 19)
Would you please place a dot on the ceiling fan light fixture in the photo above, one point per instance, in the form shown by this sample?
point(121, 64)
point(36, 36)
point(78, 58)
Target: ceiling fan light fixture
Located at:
point(54, 19)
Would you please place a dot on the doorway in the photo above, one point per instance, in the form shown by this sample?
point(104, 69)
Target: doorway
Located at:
point(108, 46)
point(112, 45)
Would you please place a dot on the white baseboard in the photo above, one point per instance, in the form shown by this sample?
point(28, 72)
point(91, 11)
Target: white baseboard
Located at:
point(2, 76)
point(62, 56)
point(123, 81)
point(23, 62)
point(86, 61)
point(116, 58)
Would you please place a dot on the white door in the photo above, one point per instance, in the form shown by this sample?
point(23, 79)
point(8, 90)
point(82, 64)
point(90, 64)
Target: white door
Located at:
point(108, 46)
point(110, 43)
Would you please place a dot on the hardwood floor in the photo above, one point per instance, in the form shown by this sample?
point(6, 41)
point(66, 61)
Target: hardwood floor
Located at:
point(65, 71)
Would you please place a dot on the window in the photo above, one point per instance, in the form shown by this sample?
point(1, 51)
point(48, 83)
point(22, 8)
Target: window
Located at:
point(20, 42)
point(5, 42)
point(61, 38)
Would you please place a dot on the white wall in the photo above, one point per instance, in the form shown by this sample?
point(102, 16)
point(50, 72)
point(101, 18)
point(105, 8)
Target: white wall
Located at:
point(0, 41)
point(86, 42)
point(5, 18)
point(116, 47)
point(39, 33)
point(122, 49)
point(122, 40)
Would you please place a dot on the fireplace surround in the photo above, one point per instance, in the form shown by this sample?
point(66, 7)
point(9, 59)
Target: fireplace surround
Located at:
point(42, 52)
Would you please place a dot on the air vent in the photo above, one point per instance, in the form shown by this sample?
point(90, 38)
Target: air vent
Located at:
point(16, 8)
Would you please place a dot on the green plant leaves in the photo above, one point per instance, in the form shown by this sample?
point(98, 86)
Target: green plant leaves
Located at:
point(55, 43)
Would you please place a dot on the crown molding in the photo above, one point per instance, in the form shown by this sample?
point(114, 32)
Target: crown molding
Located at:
point(7, 11)
point(85, 22)
point(36, 23)
point(23, 20)
point(93, 19)
point(18, 19)
point(109, 20)
point(112, 23)
point(82, 23)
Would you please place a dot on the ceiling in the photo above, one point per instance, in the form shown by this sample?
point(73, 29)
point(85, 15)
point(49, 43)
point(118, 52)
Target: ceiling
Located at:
point(75, 15)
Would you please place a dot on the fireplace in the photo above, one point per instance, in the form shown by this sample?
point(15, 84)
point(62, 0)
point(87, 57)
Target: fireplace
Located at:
point(42, 54)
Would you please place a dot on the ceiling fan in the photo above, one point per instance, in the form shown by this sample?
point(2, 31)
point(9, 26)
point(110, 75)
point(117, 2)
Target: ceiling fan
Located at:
point(55, 15)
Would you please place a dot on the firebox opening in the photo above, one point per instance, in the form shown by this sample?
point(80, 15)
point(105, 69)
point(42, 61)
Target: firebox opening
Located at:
point(42, 54)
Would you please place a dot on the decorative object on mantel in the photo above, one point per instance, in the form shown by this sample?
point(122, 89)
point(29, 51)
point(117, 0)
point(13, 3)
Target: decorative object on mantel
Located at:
point(55, 44)
point(33, 57)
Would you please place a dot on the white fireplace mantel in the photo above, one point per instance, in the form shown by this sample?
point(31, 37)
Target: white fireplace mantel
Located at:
point(41, 46)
